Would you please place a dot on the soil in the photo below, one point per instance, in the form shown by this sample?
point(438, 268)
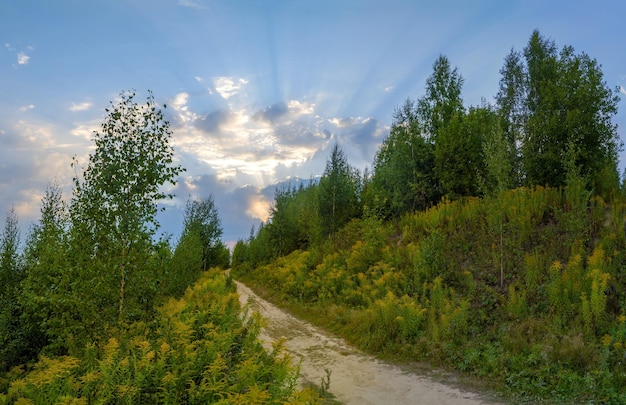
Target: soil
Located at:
point(355, 377)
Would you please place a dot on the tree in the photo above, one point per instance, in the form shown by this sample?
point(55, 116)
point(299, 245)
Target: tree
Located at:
point(454, 134)
point(403, 178)
point(113, 211)
point(458, 152)
point(283, 226)
point(202, 217)
point(565, 102)
point(199, 248)
point(13, 347)
point(499, 176)
point(338, 193)
point(10, 266)
point(442, 100)
point(510, 102)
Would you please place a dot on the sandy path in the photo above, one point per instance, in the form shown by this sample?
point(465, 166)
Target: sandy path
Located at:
point(356, 378)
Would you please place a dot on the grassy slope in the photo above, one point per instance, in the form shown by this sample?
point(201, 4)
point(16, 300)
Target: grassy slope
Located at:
point(526, 290)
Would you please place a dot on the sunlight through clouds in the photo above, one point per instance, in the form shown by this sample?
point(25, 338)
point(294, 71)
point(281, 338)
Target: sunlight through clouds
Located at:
point(259, 207)
point(228, 86)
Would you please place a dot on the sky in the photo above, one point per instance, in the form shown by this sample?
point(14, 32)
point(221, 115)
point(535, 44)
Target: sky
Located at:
point(257, 92)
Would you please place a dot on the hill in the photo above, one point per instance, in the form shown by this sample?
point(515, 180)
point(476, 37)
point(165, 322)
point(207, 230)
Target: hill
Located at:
point(524, 290)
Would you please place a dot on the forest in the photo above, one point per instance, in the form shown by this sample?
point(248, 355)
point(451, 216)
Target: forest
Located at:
point(489, 240)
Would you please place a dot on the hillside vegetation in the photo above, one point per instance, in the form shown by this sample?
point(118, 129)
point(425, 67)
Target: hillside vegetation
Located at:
point(488, 239)
point(197, 350)
point(526, 290)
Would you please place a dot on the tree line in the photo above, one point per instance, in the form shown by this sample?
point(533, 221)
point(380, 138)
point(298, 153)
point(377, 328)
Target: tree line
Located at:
point(551, 118)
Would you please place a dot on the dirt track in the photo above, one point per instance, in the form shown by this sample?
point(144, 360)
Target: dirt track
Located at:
point(356, 378)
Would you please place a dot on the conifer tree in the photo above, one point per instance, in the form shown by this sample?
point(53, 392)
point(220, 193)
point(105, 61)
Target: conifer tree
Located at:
point(338, 193)
point(12, 343)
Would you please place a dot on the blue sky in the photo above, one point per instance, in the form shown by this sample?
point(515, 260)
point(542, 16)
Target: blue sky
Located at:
point(257, 91)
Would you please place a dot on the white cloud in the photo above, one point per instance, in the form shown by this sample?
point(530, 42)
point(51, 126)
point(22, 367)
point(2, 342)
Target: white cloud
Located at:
point(86, 129)
point(81, 106)
point(38, 134)
point(25, 108)
point(343, 122)
point(300, 108)
point(622, 89)
point(22, 58)
point(388, 89)
point(179, 104)
point(198, 78)
point(228, 86)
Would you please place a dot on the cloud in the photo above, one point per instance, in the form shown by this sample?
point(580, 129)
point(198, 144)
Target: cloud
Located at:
point(239, 151)
point(622, 89)
point(213, 122)
point(25, 108)
point(271, 113)
point(22, 58)
point(179, 105)
point(228, 86)
point(259, 207)
point(32, 155)
point(84, 106)
point(85, 129)
point(265, 145)
point(342, 122)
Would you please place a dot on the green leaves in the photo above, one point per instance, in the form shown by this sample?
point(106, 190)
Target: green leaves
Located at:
point(550, 99)
point(338, 193)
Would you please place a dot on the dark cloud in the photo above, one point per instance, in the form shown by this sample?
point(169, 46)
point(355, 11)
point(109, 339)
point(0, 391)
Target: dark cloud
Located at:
point(213, 122)
point(300, 135)
point(358, 137)
point(272, 113)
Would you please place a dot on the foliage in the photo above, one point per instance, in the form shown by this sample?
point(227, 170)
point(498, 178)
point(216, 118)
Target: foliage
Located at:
point(436, 292)
point(556, 99)
point(114, 208)
point(197, 350)
point(19, 337)
point(403, 179)
point(338, 193)
point(200, 247)
point(442, 100)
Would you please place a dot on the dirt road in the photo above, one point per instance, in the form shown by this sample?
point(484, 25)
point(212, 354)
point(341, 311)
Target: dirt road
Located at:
point(356, 378)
